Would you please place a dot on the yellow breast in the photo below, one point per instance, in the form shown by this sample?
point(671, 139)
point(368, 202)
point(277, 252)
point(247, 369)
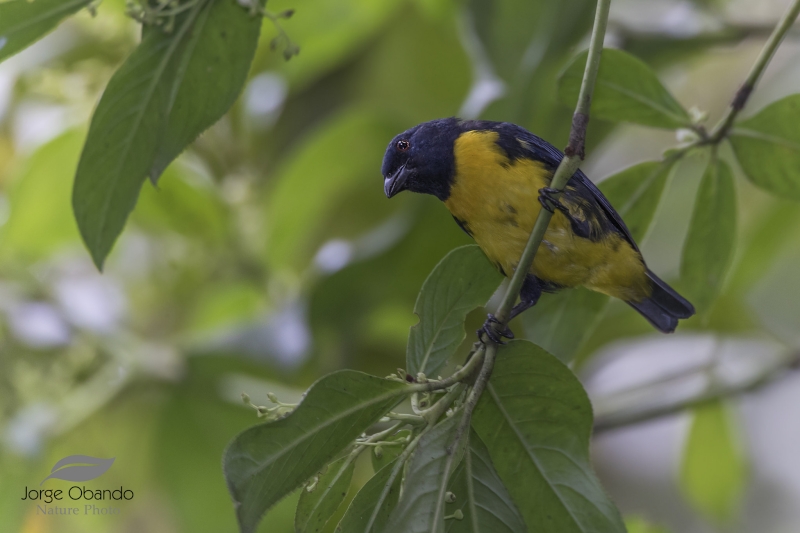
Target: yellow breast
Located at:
point(496, 200)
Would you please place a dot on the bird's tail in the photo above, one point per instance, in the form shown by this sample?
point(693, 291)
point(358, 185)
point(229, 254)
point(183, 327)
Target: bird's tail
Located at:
point(664, 306)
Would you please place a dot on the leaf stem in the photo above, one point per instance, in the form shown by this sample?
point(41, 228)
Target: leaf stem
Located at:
point(473, 513)
point(463, 426)
point(404, 417)
point(437, 410)
point(742, 95)
point(475, 393)
point(375, 437)
point(474, 359)
point(401, 459)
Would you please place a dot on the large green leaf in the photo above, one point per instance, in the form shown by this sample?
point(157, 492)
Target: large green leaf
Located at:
point(370, 510)
point(462, 281)
point(23, 22)
point(216, 57)
point(316, 506)
point(627, 90)
point(431, 466)
point(172, 87)
point(536, 420)
point(267, 462)
point(714, 472)
point(636, 192)
point(481, 496)
point(709, 245)
point(768, 147)
point(560, 322)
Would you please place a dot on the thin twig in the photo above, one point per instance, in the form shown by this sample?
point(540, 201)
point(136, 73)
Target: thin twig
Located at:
point(742, 95)
point(715, 392)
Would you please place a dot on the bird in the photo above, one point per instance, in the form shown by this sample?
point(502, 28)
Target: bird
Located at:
point(494, 178)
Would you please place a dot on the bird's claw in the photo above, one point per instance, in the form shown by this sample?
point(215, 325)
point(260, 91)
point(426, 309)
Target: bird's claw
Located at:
point(491, 330)
point(550, 203)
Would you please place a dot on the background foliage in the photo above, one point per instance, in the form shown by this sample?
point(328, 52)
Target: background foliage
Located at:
point(267, 256)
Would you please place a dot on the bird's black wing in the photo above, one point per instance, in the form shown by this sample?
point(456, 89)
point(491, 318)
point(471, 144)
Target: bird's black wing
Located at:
point(609, 210)
point(552, 156)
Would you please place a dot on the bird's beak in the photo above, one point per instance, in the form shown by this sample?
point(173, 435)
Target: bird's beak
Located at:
point(396, 182)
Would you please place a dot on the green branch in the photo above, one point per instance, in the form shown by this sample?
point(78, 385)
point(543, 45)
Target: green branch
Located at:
point(574, 154)
point(742, 95)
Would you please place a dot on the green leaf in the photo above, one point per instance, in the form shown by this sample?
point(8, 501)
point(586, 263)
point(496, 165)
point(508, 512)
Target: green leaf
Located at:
point(329, 34)
point(552, 322)
point(536, 420)
point(778, 226)
point(636, 524)
point(488, 502)
point(41, 220)
point(462, 281)
point(709, 245)
point(170, 88)
point(359, 514)
point(317, 506)
point(266, 462)
point(383, 455)
point(418, 510)
point(184, 204)
point(216, 58)
point(635, 193)
point(768, 147)
point(714, 472)
point(23, 22)
point(314, 179)
point(223, 305)
point(627, 90)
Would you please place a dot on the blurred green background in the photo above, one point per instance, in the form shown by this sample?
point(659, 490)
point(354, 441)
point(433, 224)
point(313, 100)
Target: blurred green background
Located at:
point(269, 256)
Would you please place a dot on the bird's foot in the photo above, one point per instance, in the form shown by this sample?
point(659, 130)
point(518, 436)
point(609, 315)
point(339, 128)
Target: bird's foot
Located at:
point(491, 329)
point(546, 198)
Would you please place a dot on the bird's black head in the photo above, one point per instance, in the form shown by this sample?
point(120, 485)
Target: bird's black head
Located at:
point(421, 159)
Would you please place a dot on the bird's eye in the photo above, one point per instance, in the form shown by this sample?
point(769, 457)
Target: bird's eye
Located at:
point(403, 145)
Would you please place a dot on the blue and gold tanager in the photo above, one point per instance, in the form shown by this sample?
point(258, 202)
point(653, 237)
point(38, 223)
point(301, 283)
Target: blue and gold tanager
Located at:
point(494, 178)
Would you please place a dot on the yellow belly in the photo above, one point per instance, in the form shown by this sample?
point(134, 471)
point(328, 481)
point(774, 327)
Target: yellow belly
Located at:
point(498, 201)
